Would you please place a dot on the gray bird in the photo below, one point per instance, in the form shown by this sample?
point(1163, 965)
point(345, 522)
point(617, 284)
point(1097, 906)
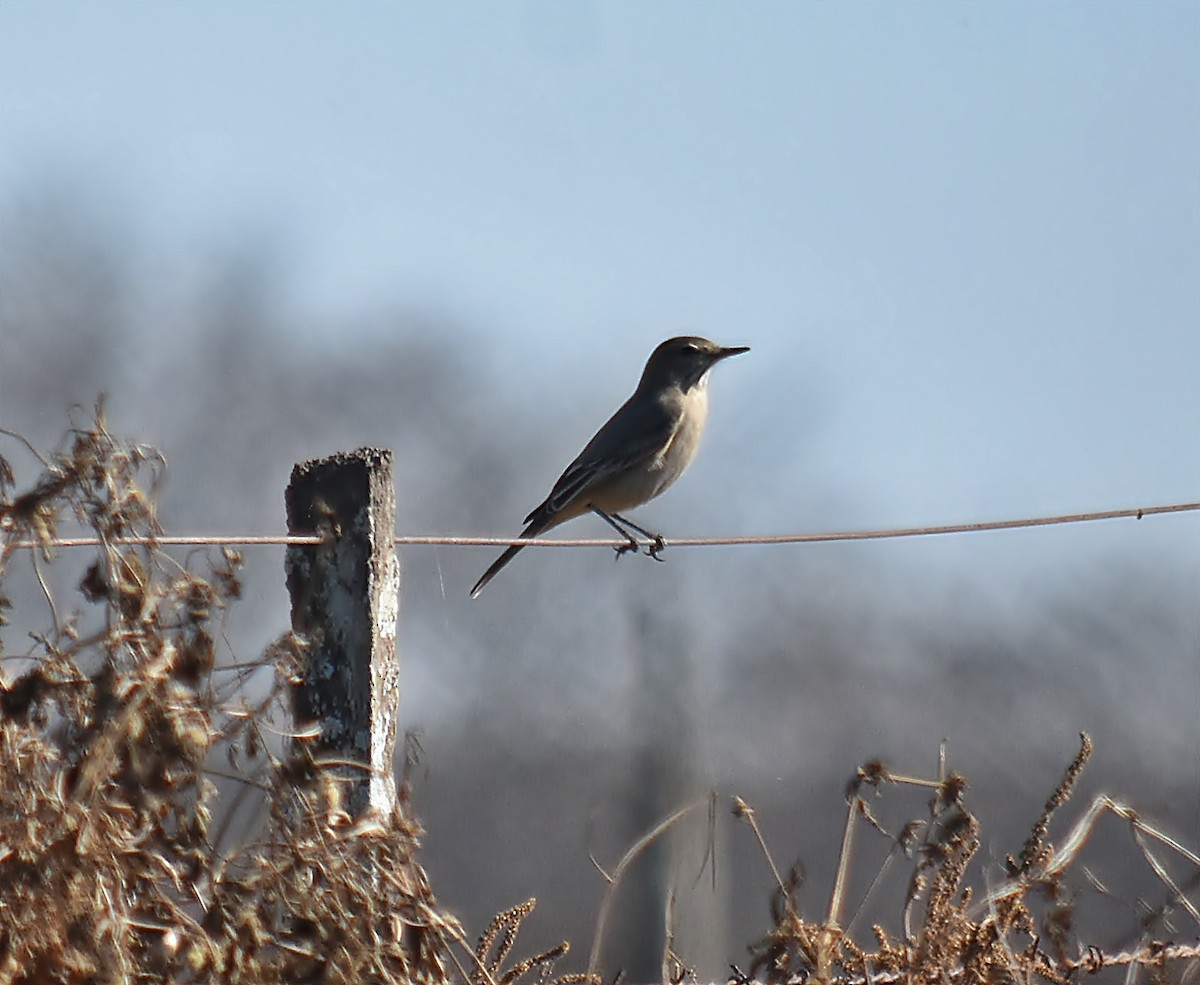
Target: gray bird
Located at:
point(642, 449)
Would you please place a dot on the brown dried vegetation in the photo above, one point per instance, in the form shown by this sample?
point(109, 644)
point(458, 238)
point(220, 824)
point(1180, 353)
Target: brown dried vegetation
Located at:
point(112, 821)
point(1017, 930)
point(111, 727)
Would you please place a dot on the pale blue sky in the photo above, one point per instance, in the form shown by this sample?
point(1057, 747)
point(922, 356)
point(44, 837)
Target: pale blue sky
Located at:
point(963, 239)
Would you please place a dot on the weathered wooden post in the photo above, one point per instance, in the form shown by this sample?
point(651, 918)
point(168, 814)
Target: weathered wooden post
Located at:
point(345, 600)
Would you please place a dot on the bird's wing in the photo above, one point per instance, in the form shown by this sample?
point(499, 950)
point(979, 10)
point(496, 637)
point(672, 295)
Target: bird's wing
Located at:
point(626, 441)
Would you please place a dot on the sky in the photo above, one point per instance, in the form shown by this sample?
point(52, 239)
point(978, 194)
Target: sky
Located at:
point(962, 239)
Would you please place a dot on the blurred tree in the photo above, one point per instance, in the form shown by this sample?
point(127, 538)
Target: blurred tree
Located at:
point(65, 315)
point(558, 701)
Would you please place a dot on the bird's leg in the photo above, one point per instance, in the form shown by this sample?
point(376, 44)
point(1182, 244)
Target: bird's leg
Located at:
point(630, 544)
point(658, 545)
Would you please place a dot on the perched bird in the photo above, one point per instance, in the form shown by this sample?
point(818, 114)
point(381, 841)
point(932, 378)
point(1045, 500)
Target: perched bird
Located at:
point(642, 449)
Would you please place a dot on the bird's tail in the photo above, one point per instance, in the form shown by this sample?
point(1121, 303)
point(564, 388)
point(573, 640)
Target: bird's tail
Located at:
point(535, 527)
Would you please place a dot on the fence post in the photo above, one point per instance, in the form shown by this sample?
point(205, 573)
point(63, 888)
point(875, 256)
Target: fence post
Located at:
point(345, 599)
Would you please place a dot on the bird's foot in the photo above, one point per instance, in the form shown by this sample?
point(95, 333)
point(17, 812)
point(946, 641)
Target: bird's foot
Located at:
point(629, 545)
point(657, 547)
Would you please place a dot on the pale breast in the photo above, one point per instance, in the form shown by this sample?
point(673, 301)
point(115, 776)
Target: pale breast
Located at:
point(636, 486)
point(681, 449)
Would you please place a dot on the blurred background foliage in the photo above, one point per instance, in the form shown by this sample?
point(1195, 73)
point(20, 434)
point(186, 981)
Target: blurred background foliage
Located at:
point(580, 701)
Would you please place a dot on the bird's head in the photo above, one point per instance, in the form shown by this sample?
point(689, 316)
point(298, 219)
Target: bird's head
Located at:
point(685, 361)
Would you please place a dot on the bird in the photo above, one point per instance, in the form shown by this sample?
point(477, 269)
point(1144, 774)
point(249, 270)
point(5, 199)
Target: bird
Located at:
point(639, 452)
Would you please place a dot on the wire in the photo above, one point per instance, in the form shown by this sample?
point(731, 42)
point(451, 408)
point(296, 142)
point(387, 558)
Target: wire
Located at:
point(252, 540)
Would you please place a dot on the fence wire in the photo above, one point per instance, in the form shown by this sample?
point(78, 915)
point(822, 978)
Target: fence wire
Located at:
point(455, 540)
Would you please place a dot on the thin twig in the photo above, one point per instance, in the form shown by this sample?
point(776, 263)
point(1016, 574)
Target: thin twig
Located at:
point(627, 859)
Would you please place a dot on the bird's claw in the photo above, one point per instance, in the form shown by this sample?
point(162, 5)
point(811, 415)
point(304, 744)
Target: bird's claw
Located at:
point(656, 546)
point(629, 545)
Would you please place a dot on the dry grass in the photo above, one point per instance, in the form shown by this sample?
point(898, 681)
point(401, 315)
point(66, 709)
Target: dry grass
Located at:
point(1019, 928)
point(121, 716)
point(110, 733)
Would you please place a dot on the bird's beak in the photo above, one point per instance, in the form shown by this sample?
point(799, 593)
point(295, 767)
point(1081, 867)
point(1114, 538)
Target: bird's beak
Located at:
point(726, 352)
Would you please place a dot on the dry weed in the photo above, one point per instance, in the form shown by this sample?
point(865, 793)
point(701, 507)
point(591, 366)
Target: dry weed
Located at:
point(109, 732)
point(1019, 931)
